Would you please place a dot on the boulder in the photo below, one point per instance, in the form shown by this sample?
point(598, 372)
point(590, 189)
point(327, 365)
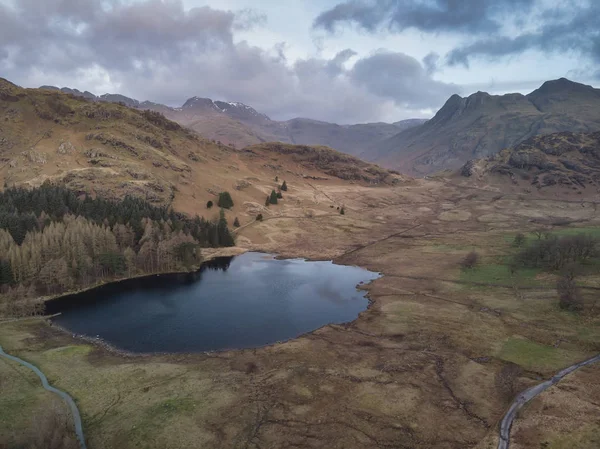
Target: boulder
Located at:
point(66, 148)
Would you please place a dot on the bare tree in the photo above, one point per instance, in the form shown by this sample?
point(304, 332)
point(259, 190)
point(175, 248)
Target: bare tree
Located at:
point(539, 233)
point(519, 240)
point(470, 260)
point(569, 297)
point(506, 380)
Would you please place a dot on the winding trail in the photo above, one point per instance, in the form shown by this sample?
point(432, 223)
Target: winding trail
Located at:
point(68, 399)
point(531, 393)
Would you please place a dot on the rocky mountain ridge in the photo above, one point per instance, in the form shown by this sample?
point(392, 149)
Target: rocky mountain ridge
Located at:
point(481, 125)
point(240, 125)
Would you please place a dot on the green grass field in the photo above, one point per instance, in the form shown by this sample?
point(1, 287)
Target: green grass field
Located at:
point(590, 230)
point(534, 356)
point(498, 273)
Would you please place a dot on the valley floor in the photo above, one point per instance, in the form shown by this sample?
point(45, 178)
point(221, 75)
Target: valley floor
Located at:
point(433, 363)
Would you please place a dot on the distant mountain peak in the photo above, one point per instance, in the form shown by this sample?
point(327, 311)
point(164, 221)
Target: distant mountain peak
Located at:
point(483, 124)
point(562, 85)
point(453, 106)
point(561, 91)
point(199, 102)
point(236, 123)
point(232, 108)
point(118, 98)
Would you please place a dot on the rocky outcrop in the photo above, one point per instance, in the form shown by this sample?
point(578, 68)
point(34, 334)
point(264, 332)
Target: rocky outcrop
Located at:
point(561, 159)
point(66, 148)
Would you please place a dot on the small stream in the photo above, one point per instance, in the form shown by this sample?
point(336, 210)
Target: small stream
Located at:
point(65, 396)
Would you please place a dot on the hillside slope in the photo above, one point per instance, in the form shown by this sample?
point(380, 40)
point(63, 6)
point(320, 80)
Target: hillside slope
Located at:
point(569, 161)
point(325, 160)
point(102, 148)
point(111, 150)
point(483, 124)
point(239, 125)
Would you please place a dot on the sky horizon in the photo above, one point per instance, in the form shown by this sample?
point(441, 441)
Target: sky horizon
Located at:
point(352, 61)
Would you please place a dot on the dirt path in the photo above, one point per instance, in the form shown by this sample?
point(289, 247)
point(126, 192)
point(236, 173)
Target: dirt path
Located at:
point(366, 245)
point(68, 399)
point(531, 393)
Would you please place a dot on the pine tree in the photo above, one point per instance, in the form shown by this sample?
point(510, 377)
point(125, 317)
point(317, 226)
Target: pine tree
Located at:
point(342, 211)
point(268, 201)
point(236, 222)
point(6, 276)
point(225, 238)
point(273, 197)
point(279, 195)
point(284, 186)
point(209, 204)
point(225, 200)
point(276, 178)
point(51, 241)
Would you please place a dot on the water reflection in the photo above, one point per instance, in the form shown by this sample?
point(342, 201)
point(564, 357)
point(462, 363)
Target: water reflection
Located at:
point(231, 302)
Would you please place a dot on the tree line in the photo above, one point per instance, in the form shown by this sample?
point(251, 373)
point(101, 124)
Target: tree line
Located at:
point(567, 255)
point(53, 240)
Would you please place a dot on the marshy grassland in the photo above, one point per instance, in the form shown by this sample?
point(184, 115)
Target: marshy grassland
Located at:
point(434, 361)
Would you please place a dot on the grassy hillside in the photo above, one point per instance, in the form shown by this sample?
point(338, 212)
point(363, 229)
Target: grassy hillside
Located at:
point(328, 161)
point(100, 148)
point(110, 150)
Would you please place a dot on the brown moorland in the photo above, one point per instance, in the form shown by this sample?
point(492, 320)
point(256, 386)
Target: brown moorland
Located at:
point(433, 363)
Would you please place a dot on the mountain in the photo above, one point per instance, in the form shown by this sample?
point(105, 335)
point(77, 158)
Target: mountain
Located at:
point(240, 125)
point(568, 160)
point(75, 92)
point(109, 98)
point(111, 150)
point(483, 124)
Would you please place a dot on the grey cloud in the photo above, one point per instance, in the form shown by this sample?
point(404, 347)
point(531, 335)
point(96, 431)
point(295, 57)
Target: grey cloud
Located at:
point(474, 16)
point(564, 29)
point(490, 28)
point(157, 50)
point(247, 18)
point(401, 77)
point(367, 16)
point(335, 66)
point(82, 33)
point(430, 61)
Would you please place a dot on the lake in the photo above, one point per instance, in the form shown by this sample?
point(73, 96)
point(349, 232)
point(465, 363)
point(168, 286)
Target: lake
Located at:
point(237, 302)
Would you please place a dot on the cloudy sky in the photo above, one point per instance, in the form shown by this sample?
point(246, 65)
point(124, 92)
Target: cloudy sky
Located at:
point(342, 61)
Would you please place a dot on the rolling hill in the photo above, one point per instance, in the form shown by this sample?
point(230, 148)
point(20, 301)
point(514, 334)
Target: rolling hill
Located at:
point(483, 124)
point(240, 125)
point(111, 150)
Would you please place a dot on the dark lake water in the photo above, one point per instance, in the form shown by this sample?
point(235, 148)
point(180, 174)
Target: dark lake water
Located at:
point(241, 302)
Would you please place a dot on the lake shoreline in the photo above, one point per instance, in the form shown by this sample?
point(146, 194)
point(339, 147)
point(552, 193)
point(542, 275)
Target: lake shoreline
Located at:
point(362, 288)
point(229, 252)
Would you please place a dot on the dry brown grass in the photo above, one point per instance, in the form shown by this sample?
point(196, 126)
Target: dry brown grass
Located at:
point(425, 366)
point(422, 368)
point(51, 429)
